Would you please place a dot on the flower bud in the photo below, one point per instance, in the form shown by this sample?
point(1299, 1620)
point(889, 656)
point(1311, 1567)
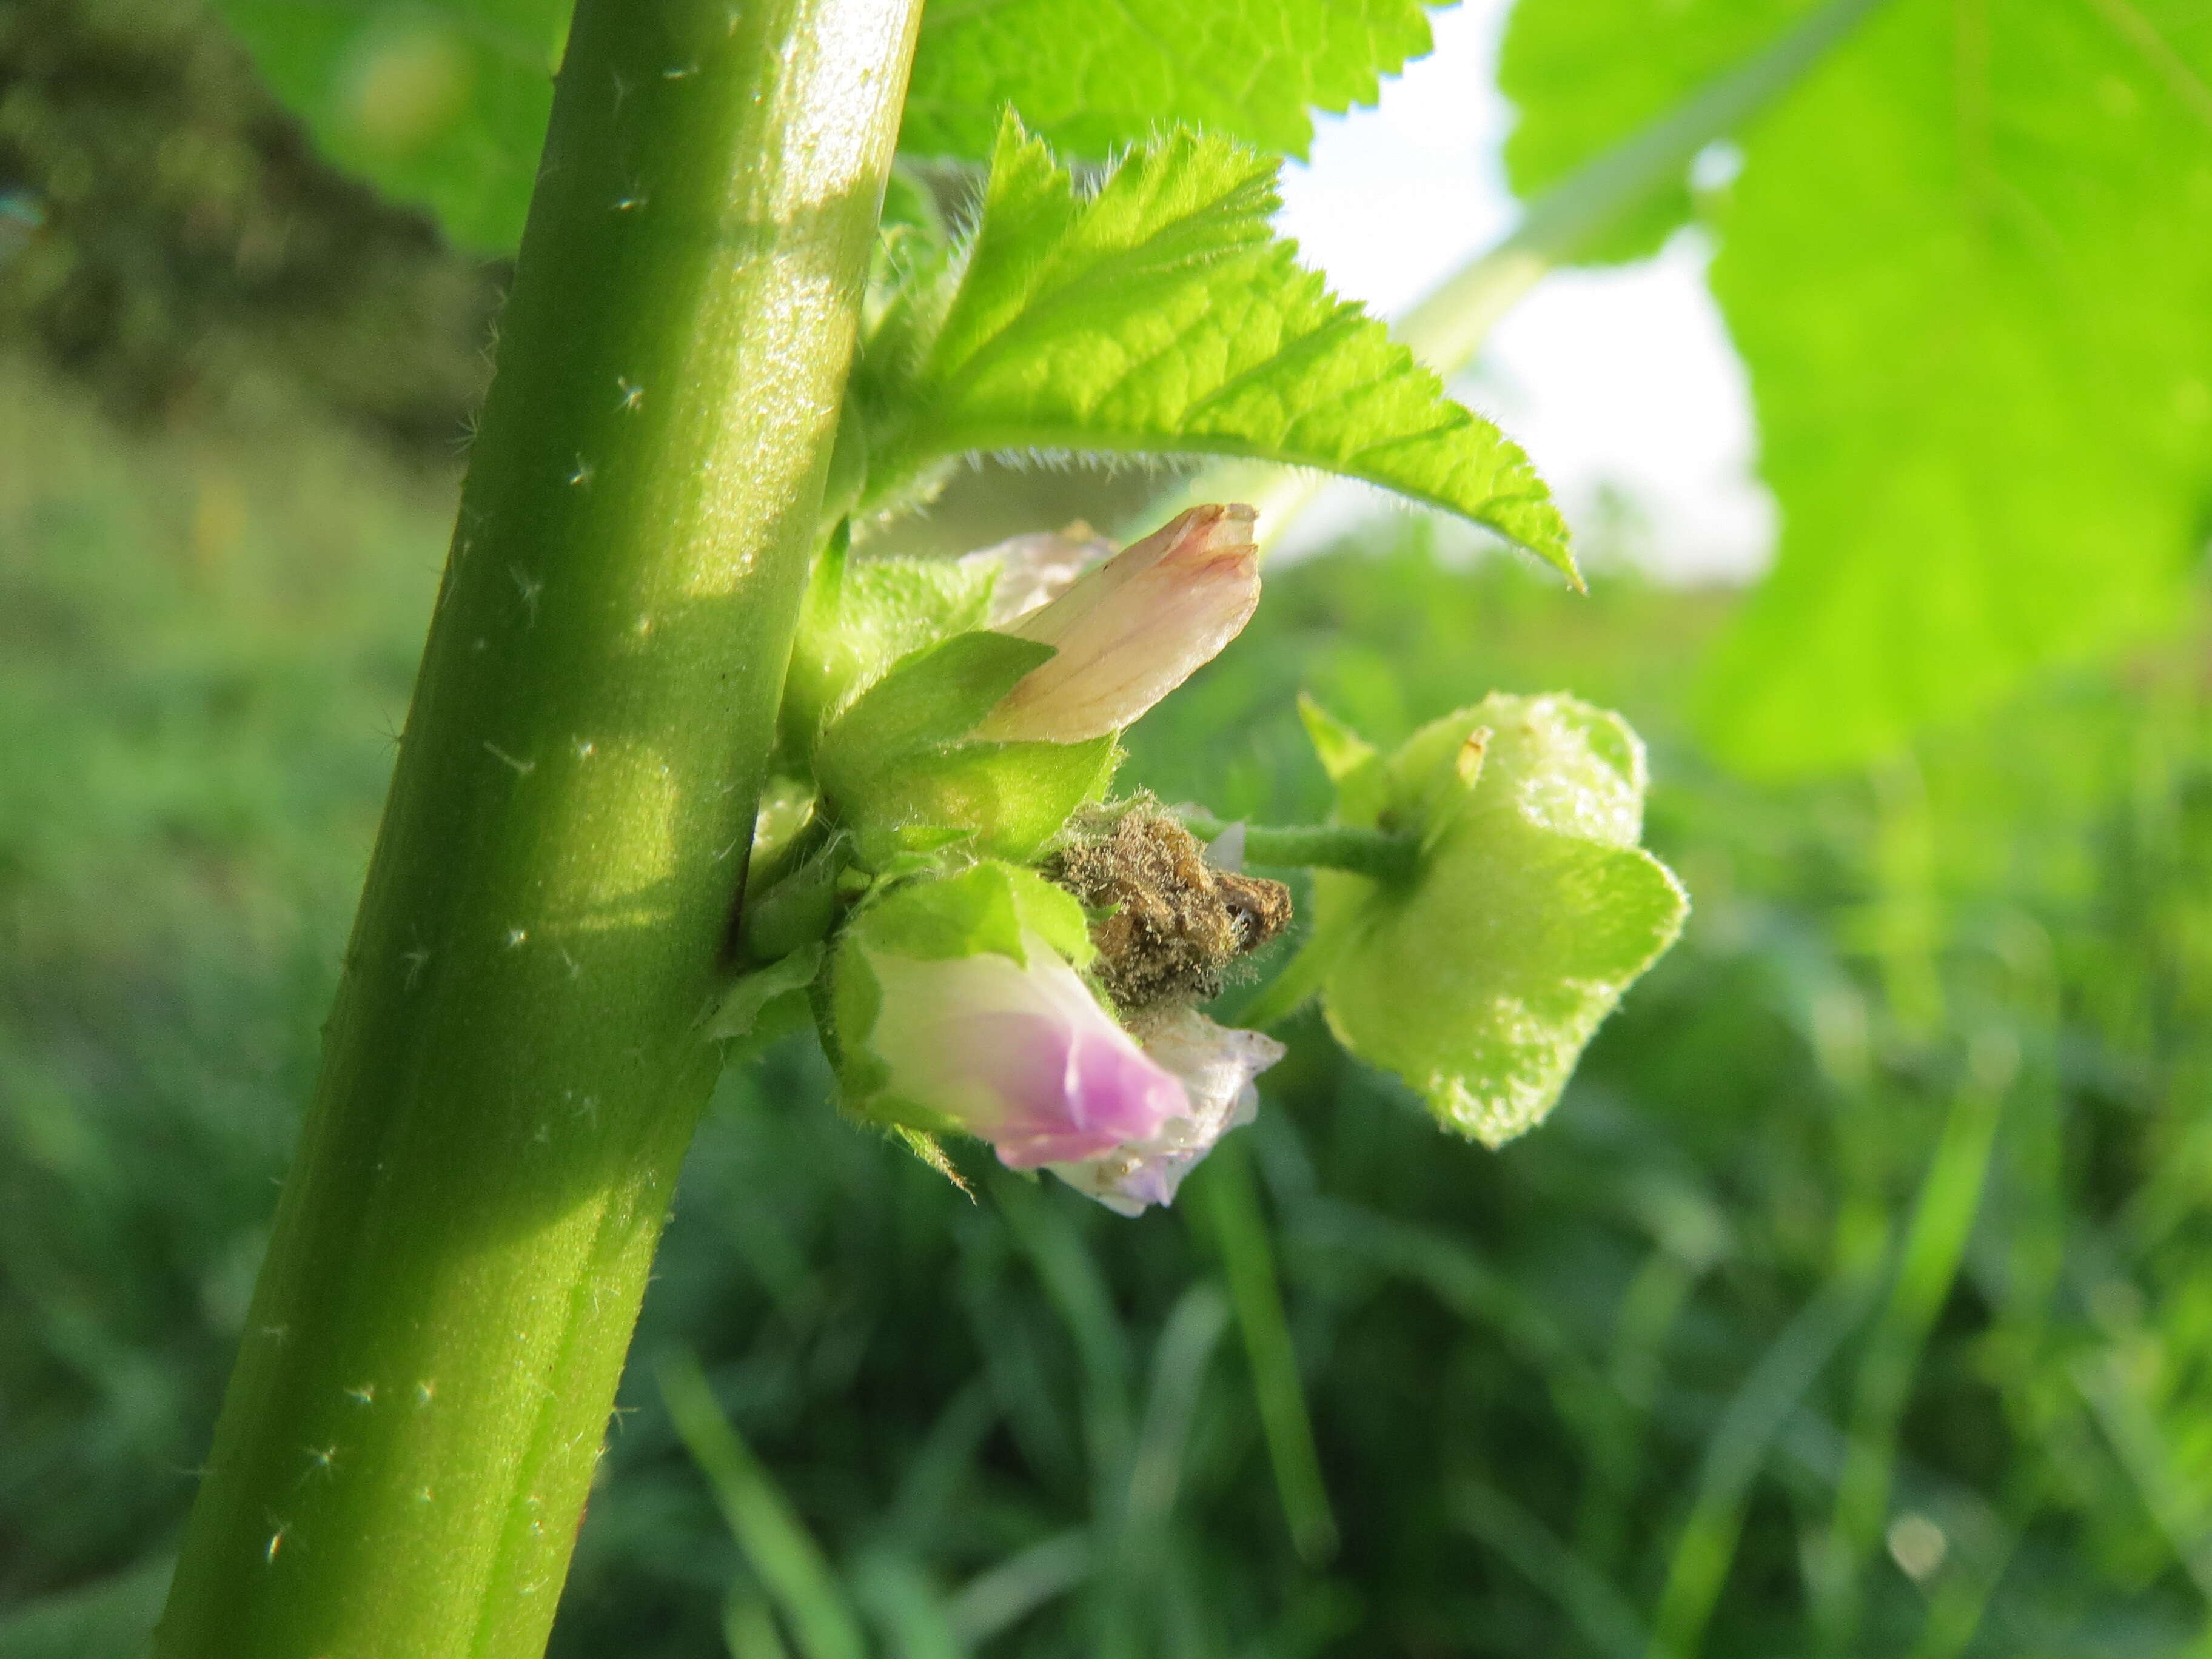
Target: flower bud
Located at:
point(1134, 629)
point(1031, 570)
point(1216, 1066)
point(1019, 1053)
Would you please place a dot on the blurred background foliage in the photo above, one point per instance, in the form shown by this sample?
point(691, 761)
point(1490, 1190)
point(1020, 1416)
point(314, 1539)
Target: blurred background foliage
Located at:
point(1855, 1300)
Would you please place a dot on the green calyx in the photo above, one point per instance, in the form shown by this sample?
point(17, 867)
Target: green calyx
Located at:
point(892, 671)
point(1481, 978)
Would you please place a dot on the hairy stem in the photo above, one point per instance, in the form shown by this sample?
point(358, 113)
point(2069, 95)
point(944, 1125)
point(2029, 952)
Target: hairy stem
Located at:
point(512, 1070)
point(1377, 852)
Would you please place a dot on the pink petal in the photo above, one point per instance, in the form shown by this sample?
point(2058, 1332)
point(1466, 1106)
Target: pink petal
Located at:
point(1215, 1064)
point(1019, 1054)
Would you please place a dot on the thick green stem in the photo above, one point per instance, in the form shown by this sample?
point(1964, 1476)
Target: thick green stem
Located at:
point(1377, 852)
point(512, 1070)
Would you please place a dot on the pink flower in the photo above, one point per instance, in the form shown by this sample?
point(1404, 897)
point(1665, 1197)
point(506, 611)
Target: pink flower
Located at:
point(1134, 629)
point(1020, 1054)
point(1216, 1066)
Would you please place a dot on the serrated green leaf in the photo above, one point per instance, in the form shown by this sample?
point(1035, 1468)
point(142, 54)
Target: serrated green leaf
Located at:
point(1479, 982)
point(1974, 295)
point(1161, 315)
point(440, 103)
point(1094, 78)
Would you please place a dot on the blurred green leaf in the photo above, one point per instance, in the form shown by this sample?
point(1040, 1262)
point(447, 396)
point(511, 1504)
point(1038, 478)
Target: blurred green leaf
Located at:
point(1967, 269)
point(1580, 94)
point(1161, 315)
point(113, 1619)
point(1094, 78)
point(440, 103)
point(1229, 1201)
point(774, 1539)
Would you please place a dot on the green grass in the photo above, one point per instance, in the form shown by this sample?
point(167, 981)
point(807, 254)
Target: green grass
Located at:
point(1885, 1197)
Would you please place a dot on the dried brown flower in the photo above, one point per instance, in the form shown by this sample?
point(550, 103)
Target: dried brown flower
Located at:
point(1173, 922)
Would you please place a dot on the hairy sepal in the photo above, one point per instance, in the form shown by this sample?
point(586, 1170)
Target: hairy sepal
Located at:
point(864, 616)
point(900, 761)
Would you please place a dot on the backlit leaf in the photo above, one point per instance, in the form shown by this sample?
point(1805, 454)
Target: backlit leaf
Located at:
point(1092, 78)
point(1161, 315)
point(1969, 266)
point(440, 103)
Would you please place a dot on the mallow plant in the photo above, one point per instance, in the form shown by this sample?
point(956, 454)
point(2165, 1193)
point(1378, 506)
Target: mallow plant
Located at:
point(690, 766)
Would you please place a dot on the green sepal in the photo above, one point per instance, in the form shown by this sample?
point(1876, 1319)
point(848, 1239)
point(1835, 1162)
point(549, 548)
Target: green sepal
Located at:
point(931, 698)
point(1480, 981)
point(781, 827)
point(861, 617)
point(988, 906)
point(895, 769)
point(1430, 781)
point(769, 1001)
point(903, 851)
point(1352, 763)
point(931, 1151)
point(798, 910)
point(1014, 798)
